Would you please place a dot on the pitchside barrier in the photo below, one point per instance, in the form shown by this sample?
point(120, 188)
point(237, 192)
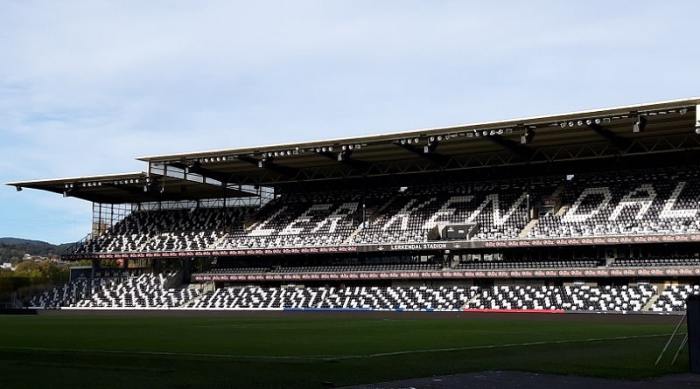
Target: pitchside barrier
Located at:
point(17, 311)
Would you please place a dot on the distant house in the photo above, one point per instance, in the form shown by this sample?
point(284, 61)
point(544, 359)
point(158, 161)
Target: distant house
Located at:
point(6, 265)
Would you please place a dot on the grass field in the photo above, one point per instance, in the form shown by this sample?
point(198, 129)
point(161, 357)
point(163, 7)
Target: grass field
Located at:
point(313, 350)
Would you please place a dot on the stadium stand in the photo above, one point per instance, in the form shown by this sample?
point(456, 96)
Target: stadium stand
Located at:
point(574, 212)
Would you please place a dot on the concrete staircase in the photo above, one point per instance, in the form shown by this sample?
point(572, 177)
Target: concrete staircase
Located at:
point(193, 302)
point(555, 202)
point(562, 211)
point(529, 226)
point(650, 304)
point(369, 220)
point(652, 301)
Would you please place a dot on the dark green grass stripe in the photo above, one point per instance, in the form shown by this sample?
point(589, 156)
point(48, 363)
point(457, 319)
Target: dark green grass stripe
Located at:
point(310, 358)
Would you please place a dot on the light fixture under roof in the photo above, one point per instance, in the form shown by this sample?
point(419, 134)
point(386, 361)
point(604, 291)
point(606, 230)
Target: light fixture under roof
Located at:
point(639, 124)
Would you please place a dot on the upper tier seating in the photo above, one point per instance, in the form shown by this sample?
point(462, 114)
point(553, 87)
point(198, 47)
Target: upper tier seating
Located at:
point(653, 203)
point(656, 202)
point(314, 219)
point(169, 230)
point(498, 211)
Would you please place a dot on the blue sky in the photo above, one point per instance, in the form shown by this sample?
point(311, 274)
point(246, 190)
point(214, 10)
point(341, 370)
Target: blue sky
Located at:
point(87, 86)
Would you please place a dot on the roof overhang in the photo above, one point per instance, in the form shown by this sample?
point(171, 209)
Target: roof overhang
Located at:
point(138, 187)
point(439, 148)
point(664, 127)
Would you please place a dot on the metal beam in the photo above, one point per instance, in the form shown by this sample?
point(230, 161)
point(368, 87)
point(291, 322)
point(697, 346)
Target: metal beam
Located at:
point(511, 145)
point(268, 164)
point(197, 168)
point(345, 158)
point(436, 158)
point(542, 155)
point(148, 194)
point(613, 138)
point(329, 155)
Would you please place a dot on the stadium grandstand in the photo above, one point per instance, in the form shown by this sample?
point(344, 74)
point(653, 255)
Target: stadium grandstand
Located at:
point(595, 211)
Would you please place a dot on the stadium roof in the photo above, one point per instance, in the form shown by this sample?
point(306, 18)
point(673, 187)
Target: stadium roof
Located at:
point(654, 128)
point(136, 187)
point(512, 141)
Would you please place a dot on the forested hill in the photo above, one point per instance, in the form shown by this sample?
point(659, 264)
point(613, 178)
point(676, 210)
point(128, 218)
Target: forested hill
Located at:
point(13, 249)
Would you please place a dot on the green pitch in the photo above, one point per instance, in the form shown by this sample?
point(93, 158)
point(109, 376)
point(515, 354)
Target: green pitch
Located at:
point(317, 350)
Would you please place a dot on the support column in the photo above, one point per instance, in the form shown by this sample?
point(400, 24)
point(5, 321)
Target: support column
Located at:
point(95, 269)
point(187, 264)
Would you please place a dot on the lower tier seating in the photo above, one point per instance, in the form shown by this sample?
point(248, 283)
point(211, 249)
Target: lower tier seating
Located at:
point(608, 298)
point(67, 295)
point(672, 298)
point(370, 298)
point(144, 291)
point(577, 297)
point(150, 291)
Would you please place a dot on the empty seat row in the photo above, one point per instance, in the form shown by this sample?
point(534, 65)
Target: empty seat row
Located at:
point(150, 291)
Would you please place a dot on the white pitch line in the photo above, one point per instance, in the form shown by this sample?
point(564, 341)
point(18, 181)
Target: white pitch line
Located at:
point(496, 346)
point(327, 357)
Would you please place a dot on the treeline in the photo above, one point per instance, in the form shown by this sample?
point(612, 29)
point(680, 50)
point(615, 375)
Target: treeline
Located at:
point(14, 249)
point(31, 275)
